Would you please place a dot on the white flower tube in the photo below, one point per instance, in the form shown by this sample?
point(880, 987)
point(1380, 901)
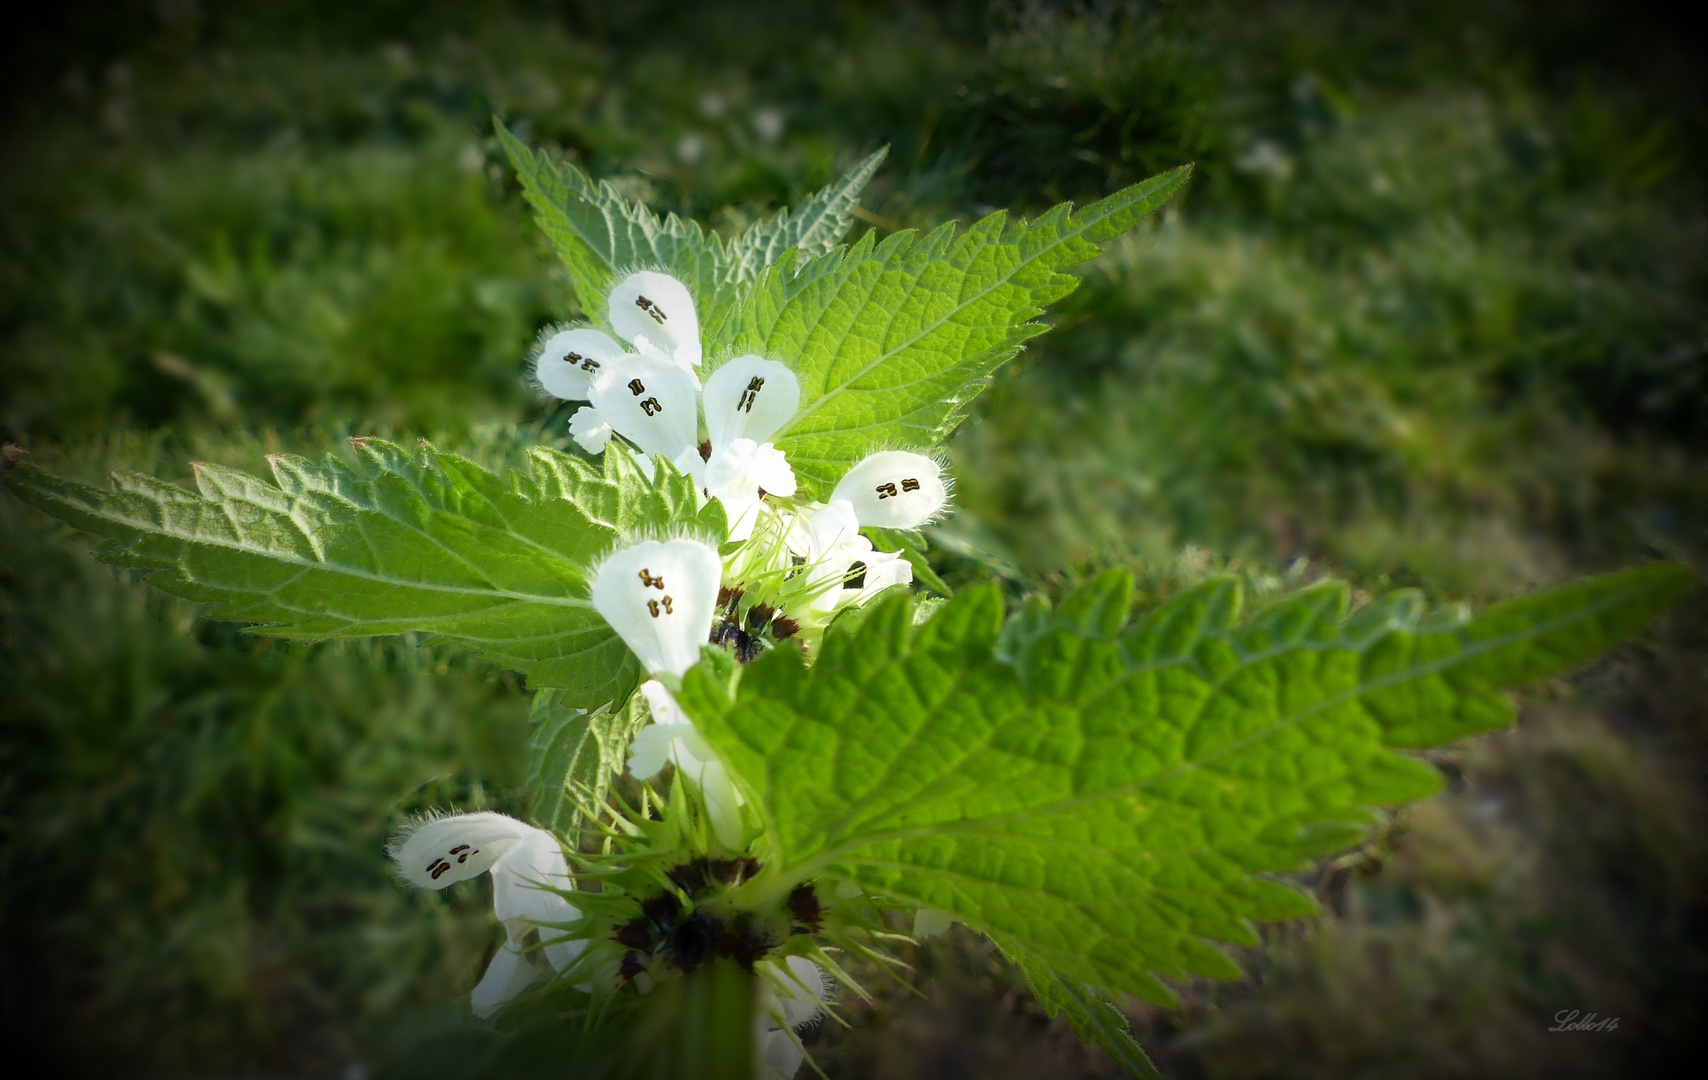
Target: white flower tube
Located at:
point(749, 398)
point(672, 737)
point(659, 597)
point(894, 489)
point(735, 474)
point(650, 402)
point(527, 868)
point(590, 430)
point(570, 360)
point(656, 313)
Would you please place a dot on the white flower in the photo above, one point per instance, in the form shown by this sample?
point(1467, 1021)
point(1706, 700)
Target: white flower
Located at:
point(746, 401)
point(749, 398)
point(672, 737)
point(654, 311)
point(659, 597)
point(526, 864)
point(570, 360)
point(735, 475)
point(590, 430)
point(650, 402)
point(791, 997)
point(834, 547)
point(894, 489)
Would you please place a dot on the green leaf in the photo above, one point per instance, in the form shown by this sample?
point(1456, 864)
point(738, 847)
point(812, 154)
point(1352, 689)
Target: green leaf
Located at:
point(572, 755)
point(599, 234)
point(1090, 1012)
point(890, 341)
point(1109, 799)
point(393, 544)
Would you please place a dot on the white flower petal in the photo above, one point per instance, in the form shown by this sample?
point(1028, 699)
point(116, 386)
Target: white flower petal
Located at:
point(749, 398)
point(770, 469)
point(894, 489)
point(590, 430)
point(651, 403)
point(650, 750)
point(836, 544)
point(507, 975)
point(779, 1057)
point(663, 705)
point(522, 882)
point(694, 758)
point(456, 848)
point(884, 569)
point(802, 991)
point(570, 360)
point(733, 475)
point(657, 307)
point(659, 597)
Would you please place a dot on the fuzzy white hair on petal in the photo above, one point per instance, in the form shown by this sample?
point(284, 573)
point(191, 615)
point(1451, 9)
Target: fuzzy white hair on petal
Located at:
point(570, 360)
point(895, 489)
point(440, 851)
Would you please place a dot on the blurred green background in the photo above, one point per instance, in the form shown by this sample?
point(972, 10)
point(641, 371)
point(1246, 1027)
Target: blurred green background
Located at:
point(1433, 313)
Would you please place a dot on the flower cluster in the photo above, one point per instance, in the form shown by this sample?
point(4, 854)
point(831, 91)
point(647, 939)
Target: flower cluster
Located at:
point(784, 569)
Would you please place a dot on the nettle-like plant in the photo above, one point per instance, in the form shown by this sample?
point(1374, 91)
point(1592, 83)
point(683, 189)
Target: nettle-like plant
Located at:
point(755, 754)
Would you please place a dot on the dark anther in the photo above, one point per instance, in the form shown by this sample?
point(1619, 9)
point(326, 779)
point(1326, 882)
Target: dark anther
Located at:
point(805, 911)
point(636, 387)
point(783, 627)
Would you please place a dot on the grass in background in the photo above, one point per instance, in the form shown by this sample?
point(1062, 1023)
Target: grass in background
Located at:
point(1432, 314)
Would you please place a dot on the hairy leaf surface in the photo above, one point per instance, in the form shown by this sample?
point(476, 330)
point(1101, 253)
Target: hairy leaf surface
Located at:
point(599, 234)
point(396, 543)
point(891, 340)
point(573, 753)
point(1106, 798)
